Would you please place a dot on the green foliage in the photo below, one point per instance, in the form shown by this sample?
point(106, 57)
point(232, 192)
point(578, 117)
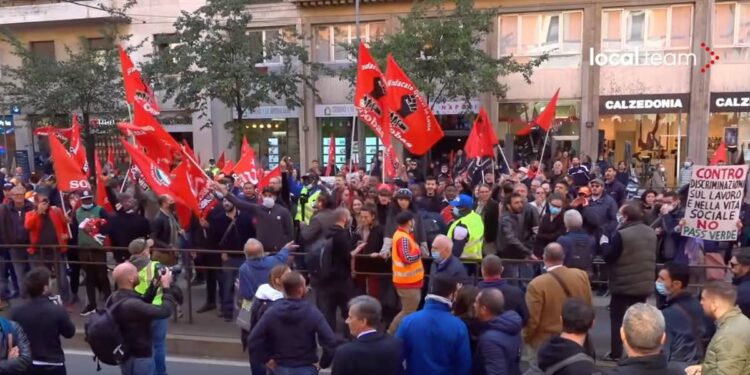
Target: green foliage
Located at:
point(438, 46)
point(213, 55)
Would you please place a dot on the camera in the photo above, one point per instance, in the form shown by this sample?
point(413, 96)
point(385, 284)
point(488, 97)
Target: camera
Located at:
point(162, 270)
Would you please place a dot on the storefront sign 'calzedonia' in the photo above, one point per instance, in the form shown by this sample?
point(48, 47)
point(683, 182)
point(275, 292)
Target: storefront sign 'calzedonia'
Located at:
point(730, 102)
point(644, 104)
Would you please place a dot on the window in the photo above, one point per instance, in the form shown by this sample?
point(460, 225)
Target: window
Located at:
point(330, 40)
point(732, 25)
point(657, 28)
point(43, 49)
point(262, 39)
point(532, 34)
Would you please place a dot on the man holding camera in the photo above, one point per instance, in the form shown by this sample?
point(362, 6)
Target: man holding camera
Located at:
point(149, 274)
point(137, 313)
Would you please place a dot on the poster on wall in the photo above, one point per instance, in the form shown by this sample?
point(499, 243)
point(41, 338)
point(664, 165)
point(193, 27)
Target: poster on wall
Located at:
point(339, 155)
point(714, 202)
point(273, 152)
point(730, 137)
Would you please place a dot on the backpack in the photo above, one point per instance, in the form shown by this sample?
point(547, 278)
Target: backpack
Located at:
point(319, 259)
point(580, 357)
point(104, 335)
point(581, 256)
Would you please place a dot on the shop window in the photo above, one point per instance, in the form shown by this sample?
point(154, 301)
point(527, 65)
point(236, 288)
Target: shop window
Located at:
point(533, 34)
point(272, 139)
point(331, 40)
point(658, 28)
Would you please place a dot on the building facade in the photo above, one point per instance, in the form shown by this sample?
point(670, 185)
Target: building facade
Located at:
point(632, 77)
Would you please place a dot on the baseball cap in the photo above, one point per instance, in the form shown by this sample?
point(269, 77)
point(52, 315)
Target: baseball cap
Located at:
point(463, 200)
point(86, 194)
point(597, 181)
point(403, 193)
point(7, 186)
point(584, 190)
point(137, 245)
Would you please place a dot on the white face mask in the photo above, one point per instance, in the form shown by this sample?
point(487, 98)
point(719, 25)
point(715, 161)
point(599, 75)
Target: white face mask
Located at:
point(87, 206)
point(268, 202)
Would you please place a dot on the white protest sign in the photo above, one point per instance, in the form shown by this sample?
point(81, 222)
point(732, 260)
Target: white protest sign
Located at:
point(714, 202)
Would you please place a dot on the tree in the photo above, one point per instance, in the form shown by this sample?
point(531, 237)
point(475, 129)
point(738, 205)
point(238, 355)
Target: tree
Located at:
point(86, 81)
point(438, 46)
point(213, 55)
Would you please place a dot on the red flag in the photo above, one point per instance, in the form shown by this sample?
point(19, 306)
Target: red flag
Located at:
point(228, 168)
point(69, 173)
point(76, 145)
point(720, 155)
point(545, 119)
point(199, 184)
point(100, 197)
point(245, 170)
point(266, 180)
point(412, 121)
point(245, 147)
point(190, 152)
point(111, 156)
point(482, 139)
point(331, 155)
point(183, 187)
point(137, 91)
point(157, 142)
point(221, 161)
point(63, 133)
point(156, 178)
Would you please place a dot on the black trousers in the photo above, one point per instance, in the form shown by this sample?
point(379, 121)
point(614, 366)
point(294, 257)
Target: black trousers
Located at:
point(618, 304)
point(331, 297)
point(211, 285)
point(96, 278)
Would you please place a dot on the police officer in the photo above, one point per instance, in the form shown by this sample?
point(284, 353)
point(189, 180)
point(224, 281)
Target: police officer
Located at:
point(467, 231)
point(308, 197)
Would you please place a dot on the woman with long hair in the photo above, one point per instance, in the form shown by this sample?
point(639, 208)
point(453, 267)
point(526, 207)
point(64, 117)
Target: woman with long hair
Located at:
point(463, 308)
point(403, 201)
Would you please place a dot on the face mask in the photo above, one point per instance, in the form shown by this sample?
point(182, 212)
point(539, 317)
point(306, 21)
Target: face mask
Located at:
point(662, 169)
point(554, 210)
point(661, 288)
point(436, 255)
point(456, 212)
point(87, 206)
point(268, 202)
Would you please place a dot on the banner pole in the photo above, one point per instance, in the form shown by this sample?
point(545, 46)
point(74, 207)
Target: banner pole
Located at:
point(502, 153)
point(351, 145)
point(62, 203)
point(541, 156)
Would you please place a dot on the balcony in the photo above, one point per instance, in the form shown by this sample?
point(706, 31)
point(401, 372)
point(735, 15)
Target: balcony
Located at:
point(36, 12)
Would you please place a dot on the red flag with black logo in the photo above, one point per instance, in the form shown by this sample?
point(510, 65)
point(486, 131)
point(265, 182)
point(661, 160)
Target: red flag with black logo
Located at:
point(482, 139)
point(137, 91)
point(158, 143)
point(156, 178)
point(68, 172)
point(543, 120)
point(411, 119)
point(331, 155)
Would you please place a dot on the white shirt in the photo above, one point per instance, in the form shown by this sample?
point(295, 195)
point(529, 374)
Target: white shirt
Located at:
point(553, 267)
point(366, 333)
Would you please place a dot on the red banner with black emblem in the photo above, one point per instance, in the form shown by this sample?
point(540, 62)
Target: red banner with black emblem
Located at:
point(137, 91)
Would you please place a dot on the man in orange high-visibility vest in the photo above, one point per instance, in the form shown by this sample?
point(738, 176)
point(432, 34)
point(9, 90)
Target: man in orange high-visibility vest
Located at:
point(408, 272)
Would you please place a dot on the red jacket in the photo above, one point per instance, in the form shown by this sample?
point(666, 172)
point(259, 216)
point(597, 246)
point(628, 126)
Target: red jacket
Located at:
point(33, 224)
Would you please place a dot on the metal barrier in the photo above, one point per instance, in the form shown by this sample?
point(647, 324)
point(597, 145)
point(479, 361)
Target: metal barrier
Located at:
point(190, 268)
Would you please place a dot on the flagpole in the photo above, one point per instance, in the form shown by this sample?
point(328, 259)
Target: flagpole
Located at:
point(351, 151)
point(541, 156)
point(62, 203)
point(502, 153)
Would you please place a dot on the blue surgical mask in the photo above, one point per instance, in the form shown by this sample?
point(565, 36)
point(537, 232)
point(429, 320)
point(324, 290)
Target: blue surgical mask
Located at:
point(436, 256)
point(456, 212)
point(661, 288)
point(554, 210)
point(87, 206)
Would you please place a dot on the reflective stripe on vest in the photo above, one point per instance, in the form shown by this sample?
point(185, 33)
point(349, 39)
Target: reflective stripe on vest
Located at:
point(145, 276)
point(404, 273)
point(474, 224)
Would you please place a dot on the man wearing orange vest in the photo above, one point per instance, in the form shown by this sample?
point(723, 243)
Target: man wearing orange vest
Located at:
point(408, 272)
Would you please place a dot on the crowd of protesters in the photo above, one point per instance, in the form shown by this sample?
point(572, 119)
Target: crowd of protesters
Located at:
point(443, 270)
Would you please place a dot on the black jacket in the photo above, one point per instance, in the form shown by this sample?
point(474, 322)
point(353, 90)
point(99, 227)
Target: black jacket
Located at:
point(651, 365)
point(617, 191)
point(44, 322)
point(285, 319)
point(341, 258)
point(515, 239)
point(161, 228)
point(558, 349)
point(491, 220)
point(371, 354)
point(514, 297)
point(125, 227)
point(685, 328)
point(135, 316)
point(743, 293)
point(549, 230)
point(20, 364)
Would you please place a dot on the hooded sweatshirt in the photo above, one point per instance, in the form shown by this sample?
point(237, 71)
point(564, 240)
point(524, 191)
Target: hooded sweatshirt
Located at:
point(558, 349)
point(285, 319)
point(254, 272)
point(499, 347)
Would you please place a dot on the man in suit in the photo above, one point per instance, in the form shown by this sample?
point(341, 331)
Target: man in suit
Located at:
point(373, 352)
point(547, 294)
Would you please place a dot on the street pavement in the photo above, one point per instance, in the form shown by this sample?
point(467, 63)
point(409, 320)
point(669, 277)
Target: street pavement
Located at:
point(80, 362)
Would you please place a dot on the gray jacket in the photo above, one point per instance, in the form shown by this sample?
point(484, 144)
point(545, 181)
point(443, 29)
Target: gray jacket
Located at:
point(321, 221)
point(274, 227)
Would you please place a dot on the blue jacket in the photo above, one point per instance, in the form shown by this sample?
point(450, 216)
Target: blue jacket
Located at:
point(683, 323)
point(570, 239)
point(600, 216)
point(451, 267)
point(435, 341)
point(499, 348)
point(743, 293)
point(254, 272)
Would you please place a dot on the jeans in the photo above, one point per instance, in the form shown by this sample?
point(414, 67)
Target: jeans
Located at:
point(226, 284)
point(159, 337)
point(19, 258)
point(618, 304)
point(138, 366)
point(306, 370)
point(52, 258)
point(409, 303)
point(47, 370)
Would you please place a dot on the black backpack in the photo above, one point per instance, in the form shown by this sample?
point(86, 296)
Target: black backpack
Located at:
point(319, 259)
point(104, 335)
point(581, 255)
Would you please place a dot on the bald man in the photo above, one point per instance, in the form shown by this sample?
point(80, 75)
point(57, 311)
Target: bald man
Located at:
point(135, 314)
point(444, 262)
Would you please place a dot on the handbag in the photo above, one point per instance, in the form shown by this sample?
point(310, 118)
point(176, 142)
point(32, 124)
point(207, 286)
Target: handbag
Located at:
point(244, 317)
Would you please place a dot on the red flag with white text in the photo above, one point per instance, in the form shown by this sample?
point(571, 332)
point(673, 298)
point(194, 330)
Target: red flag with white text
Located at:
point(137, 91)
point(411, 119)
point(68, 172)
point(246, 170)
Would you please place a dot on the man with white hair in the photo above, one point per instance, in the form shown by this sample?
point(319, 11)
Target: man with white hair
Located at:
point(444, 262)
point(254, 272)
point(643, 335)
point(579, 246)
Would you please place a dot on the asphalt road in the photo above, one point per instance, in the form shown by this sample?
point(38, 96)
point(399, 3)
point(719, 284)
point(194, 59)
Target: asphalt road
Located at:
point(80, 363)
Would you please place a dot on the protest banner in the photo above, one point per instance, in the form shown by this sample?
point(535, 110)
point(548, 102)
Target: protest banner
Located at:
point(714, 201)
